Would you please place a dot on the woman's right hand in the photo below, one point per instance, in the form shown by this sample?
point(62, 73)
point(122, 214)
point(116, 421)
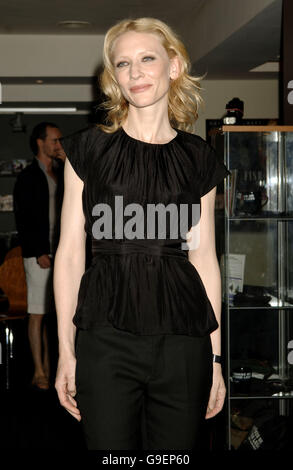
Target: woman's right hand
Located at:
point(65, 384)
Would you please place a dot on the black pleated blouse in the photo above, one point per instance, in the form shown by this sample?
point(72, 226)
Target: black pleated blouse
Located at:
point(136, 282)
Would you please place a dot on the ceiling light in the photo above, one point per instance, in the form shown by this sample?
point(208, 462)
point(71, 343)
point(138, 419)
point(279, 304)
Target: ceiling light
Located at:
point(39, 81)
point(267, 67)
point(37, 110)
point(72, 24)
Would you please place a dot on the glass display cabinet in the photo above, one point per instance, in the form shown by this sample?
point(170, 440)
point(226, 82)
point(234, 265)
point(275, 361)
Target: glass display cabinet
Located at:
point(257, 274)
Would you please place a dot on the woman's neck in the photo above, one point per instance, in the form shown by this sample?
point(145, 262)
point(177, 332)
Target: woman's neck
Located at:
point(149, 125)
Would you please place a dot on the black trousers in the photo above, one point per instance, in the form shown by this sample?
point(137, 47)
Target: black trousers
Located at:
point(117, 372)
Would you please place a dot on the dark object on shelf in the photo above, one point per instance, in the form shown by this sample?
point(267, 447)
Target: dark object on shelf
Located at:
point(251, 195)
point(251, 300)
point(234, 112)
point(268, 433)
point(278, 385)
point(250, 202)
point(262, 367)
point(264, 214)
point(251, 296)
point(241, 379)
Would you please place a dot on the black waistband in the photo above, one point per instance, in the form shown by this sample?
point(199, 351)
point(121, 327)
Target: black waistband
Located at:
point(110, 247)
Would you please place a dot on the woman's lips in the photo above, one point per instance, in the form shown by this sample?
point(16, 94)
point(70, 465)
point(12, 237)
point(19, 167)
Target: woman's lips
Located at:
point(139, 88)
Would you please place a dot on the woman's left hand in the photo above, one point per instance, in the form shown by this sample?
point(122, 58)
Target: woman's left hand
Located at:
point(217, 393)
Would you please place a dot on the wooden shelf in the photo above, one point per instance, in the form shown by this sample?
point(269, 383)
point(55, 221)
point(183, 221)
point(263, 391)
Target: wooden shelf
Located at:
point(233, 128)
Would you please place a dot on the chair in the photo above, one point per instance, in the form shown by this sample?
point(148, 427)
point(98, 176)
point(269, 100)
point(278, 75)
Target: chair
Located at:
point(13, 285)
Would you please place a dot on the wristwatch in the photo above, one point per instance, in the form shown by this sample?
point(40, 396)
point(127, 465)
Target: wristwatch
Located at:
point(217, 358)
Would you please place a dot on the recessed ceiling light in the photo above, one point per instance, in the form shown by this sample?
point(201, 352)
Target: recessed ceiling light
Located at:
point(39, 81)
point(73, 24)
point(267, 67)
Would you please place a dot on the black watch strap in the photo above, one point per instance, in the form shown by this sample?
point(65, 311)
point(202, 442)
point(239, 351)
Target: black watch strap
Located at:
point(217, 358)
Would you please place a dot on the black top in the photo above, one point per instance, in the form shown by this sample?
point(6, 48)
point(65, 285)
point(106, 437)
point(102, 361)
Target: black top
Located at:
point(142, 285)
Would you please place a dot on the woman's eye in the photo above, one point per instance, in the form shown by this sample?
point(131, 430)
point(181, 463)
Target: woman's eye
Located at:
point(121, 64)
point(148, 58)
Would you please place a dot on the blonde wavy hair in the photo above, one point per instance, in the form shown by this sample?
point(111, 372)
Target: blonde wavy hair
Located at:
point(183, 97)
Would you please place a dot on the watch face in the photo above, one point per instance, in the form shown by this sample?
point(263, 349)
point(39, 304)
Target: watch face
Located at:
point(229, 120)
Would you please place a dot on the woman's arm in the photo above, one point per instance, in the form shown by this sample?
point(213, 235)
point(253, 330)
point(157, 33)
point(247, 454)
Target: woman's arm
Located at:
point(69, 267)
point(204, 258)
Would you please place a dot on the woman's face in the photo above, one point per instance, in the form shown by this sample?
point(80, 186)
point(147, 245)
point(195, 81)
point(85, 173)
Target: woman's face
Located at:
point(143, 68)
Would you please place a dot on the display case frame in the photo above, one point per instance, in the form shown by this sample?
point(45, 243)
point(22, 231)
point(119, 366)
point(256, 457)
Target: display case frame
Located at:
point(258, 224)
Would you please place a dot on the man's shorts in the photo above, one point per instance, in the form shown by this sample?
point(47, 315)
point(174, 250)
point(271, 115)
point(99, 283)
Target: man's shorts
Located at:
point(39, 281)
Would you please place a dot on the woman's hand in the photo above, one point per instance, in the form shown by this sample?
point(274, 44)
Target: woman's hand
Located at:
point(65, 384)
point(217, 393)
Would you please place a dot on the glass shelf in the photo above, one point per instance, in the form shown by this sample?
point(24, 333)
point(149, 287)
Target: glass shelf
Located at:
point(287, 307)
point(257, 270)
point(278, 217)
point(274, 303)
point(261, 397)
point(262, 388)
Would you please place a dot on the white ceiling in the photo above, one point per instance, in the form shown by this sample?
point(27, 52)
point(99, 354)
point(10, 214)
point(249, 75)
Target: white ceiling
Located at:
point(255, 42)
point(42, 16)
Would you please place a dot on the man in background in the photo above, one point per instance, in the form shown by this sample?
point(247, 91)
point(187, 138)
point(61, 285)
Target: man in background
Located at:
point(37, 197)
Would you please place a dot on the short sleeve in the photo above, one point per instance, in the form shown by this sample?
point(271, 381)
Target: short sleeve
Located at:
point(213, 170)
point(76, 146)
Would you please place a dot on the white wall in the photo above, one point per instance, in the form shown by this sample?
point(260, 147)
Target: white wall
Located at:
point(49, 55)
point(49, 93)
point(260, 98)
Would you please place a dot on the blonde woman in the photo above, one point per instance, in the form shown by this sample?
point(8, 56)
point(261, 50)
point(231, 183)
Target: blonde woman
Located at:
point(142, 322)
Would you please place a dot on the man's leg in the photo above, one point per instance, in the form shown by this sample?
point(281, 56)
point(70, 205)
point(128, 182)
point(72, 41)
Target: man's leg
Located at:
point(46, 357)
point(35, 340)
point(38, 288)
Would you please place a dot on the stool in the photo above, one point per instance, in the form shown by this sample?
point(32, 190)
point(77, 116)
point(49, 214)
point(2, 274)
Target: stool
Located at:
point(13, 304)
point(6, 321)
